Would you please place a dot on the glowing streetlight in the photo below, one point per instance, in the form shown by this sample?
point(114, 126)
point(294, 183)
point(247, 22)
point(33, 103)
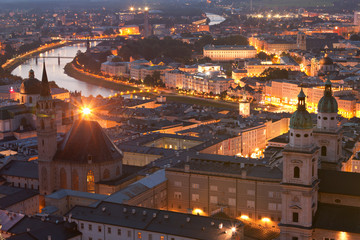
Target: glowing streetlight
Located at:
point(146, 9)
point(132, 9)
point(233, 229)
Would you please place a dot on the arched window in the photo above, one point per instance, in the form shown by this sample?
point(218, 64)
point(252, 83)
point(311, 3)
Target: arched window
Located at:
point(323, 151)
point(22, 99)
point(30, 99)
point(75, 180)
point(117, 171)
point(106, 174)
point(44, 179)
point(42, 123)
point(296, 172)
point(90, 180)
point(63, 182)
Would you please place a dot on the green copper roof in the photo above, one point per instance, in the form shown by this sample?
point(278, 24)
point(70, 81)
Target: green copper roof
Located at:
point(328, 103)
point(301, 118)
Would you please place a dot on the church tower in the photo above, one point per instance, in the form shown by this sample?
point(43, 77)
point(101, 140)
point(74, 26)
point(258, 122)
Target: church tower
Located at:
point(301, 41)
point(327, 133)
point(300, 177)
point(46, 134)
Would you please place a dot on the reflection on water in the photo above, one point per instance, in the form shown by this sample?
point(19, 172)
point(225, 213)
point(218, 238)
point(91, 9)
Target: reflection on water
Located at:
point(56, 73)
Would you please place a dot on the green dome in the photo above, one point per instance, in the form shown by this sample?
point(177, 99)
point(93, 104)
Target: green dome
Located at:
point(328, 103)
point(301, 119)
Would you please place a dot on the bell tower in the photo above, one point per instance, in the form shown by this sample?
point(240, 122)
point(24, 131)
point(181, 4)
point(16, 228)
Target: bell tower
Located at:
point(46, 135)
point(327, 133)
point(300, 177)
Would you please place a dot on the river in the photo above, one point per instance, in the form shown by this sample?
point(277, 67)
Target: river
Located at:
point(56, 73)
point(214, 18)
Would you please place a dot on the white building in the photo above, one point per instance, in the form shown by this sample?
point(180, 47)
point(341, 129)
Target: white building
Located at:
point(228, 52)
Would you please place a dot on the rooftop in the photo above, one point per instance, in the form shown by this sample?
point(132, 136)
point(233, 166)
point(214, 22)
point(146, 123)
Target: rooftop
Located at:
point(172, 223)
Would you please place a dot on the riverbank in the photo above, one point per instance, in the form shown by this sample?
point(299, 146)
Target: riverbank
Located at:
point(13, 63)
point(73, 72)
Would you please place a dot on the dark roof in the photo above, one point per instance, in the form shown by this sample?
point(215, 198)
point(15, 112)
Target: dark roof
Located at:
point(215, 164)
point(42, 228)
point(18, 196)
point(337, 218)
point(337, 182)
point(172, 223)
point(21, 169)
point(87, 138)
point(9, 112)
point(30, 85)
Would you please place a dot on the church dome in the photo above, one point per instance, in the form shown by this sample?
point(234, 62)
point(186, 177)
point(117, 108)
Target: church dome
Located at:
point(301, 118)
point(328, 103)
point(30, 85)
point(326, 61)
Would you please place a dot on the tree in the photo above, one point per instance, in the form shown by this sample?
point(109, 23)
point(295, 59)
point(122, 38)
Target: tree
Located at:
point(275, 73)
point(263, 56)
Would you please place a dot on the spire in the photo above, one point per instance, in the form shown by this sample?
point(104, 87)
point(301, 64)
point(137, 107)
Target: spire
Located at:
point(301, 100)
point(45, 89)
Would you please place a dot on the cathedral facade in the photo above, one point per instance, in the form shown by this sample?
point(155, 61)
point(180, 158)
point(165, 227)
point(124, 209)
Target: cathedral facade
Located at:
point(85, 156)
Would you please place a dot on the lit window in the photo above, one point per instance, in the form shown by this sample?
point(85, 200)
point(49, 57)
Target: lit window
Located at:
point(139, 235)
point(195, 185)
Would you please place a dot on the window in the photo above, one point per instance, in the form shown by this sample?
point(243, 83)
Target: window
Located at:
point(63, 183)
point(30, 99)
point(251, 192)
point(250, 204)
point(162, 238)
point(323, 151)
point(296, 172)
point(312, 170)
point(129, 233)
point(82, 225)
point(271, 194)
point(150, 236)
point(90, 238)
point(139, 235)
point(294, 238)
point(177, 195)
point(232, 202)
point(214, 199)
point(99, 228)
point(90, 227)
point(195, 197)
point(109, 230)
point(232, 190)
point(195, 185)
point(295, 217)
point(90, 179)
point(106, 174)
point(177, 184)
point(272, 206)
point(213, 188)
point(119, 231)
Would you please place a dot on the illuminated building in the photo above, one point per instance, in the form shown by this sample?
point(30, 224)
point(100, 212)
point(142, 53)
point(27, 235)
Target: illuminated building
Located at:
point(228, 52)
point(327, 134)
point(299, 179)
